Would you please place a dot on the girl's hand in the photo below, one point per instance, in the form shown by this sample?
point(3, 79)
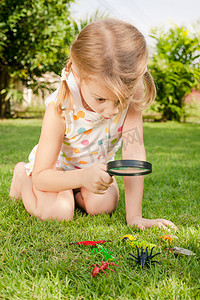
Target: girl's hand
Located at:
point(142, 223)
point(96, 179)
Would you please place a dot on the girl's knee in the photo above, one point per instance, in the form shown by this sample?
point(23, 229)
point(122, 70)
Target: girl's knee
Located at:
point(19, 168)
point(105, 207)
point(112, 203)
point(98, 204)
point(61, 210)
point(19, 165)
point(66, 210)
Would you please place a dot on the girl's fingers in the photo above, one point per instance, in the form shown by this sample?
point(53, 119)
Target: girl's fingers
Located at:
point(101, 190)
point(167, 223)
point(142, 223)
point(107, 179)
point(141, 227)
point(160, 225)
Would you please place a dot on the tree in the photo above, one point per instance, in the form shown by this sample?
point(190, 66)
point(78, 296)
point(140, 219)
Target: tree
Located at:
point(34, 38)
point(175, 66)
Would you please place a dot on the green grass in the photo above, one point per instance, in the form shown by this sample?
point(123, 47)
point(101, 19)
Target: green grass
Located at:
point(37, 261)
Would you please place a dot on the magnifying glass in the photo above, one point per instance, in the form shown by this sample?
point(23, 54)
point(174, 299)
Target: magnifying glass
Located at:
point(129, 167)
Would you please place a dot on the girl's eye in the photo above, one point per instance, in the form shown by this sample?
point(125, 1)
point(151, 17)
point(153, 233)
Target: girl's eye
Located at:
point(100, 99)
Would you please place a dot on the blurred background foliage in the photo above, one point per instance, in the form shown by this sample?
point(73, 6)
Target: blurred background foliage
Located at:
point(35, 38)
point(175, 66)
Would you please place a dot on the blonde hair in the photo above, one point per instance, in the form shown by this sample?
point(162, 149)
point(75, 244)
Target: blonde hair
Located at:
point(116, 52)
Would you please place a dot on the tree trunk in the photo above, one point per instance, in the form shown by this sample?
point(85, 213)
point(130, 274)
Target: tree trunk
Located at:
point(4, 83)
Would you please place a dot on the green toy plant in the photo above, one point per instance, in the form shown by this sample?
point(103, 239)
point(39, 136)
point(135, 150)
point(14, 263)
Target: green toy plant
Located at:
point(107, 254)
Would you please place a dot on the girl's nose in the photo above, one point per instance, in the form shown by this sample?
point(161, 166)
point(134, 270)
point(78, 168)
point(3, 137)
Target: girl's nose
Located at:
point(112, 113)
point(111, 110)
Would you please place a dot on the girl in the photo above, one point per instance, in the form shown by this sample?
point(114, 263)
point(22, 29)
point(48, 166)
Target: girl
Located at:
point(104, 86)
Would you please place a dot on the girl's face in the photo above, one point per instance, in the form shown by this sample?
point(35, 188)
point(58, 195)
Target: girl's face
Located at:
point(96, 97)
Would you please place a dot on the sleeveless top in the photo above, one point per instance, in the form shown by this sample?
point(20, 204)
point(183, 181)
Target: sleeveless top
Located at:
point(89, 138)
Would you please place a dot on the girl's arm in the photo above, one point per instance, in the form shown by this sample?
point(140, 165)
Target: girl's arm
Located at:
point(133, 148)
point(45, 176)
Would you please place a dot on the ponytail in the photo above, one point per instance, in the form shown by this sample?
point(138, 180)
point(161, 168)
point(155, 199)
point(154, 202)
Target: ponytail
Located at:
point(64, 92)
point(150, 89)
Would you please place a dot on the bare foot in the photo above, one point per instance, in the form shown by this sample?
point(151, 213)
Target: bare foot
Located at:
point(15, 188)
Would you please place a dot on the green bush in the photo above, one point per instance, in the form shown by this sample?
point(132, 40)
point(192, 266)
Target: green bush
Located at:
point(176, 69)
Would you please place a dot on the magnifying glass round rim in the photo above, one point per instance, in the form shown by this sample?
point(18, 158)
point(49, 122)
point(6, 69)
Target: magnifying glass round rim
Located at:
point(123, 163)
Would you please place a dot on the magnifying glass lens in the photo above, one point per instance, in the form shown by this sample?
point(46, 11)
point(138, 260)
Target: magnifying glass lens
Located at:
point(129, 168)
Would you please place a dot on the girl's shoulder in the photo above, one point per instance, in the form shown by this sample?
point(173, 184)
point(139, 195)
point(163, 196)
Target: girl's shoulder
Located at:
point(52, 97)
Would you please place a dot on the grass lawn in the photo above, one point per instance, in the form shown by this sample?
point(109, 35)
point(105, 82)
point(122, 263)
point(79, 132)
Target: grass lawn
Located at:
point(37, 261)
